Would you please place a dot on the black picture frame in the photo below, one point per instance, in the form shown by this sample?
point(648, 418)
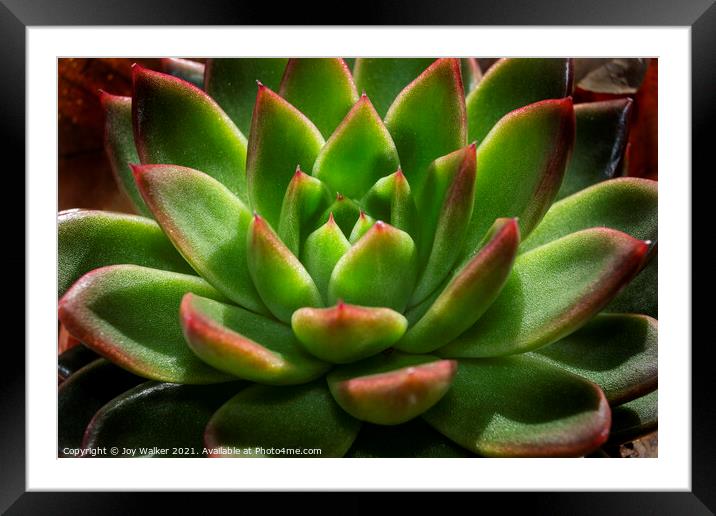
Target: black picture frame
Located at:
point(17, 15)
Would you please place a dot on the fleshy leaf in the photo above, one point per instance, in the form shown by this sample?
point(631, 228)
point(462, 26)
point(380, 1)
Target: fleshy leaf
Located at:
point(207, 223)
point(89, 239)
point(521, 407)
point(412, 439)
point(379, 270)
point(263, 419)
point(119, 146)
point(602, 131)
point(345, 333)
point(344, 211)
point(618, 352)
point(232, 83)
point(635, 418)
point(362, 225)
point(169, 113)
point(305, 201)
point(627, 204)
point(83, 394)
point(281, 139)
point(186, 69)
point(383, 78)
point(128, 314)
point(391, 389)
point(469, 293)
point(552, 291)
point(513, 83)
point(324, 247)
point(282, 282)
point(427, 119)
point(520, 166)
point(641, 295)
point(391, 200)
point(445, 235)
point(471, 73)
point(158, 419)
point(321, 88)
point(358, 153)
point(245, 344)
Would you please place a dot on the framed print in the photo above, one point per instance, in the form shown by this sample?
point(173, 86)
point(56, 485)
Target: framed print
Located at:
point(409, 252)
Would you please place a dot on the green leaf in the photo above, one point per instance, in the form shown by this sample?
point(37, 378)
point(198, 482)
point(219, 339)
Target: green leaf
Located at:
point(379, 270)
point(207, 224)
point(471, 73)
point(391, 200)
point(618, 352)
point(358, 153)
point(169, 113)
point(520, 166)
point(521, 407)
point(232, 83)
point(82, 395)
point(345, 333)
point(641, 295)
point(383, 78)
point(635, 418)
point(282, 282)
point(512, 83)
point(344, 211)
point(245, 344)
point(602, 132)
point(321, 88)
point(264, 420)
point(324, 247)
point(89, 239)
point(469, 293)
point(129, 315)
point(444, 236)
point(391, 389)
point(412, 439)
point(628, 204)
point(158, 419)
point(305, 201)
point(185, 69)
point(119, 146)
point(281, 139)
point(427, 119)
point(552, 291)
point(362, 225)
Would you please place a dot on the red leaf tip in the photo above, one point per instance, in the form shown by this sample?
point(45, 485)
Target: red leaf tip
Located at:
point(331, 220)
point(339, 197)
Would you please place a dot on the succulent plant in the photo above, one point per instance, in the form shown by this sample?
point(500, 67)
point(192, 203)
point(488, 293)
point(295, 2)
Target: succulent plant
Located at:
point(439, 266)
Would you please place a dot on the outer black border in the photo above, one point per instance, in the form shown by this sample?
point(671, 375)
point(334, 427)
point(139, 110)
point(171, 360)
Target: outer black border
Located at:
point(16, 15)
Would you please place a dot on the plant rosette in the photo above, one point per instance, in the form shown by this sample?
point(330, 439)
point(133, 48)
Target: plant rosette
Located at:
point(448, 264)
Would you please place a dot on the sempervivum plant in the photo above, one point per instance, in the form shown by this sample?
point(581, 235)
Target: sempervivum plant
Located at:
point(441, 264)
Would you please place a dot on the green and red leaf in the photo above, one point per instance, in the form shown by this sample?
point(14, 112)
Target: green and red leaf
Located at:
point(169, 113)
point(552, 291)
point(513, 83)
point(391, 389)
point(281, 139)
point(428, 120)
point(520, 165)
point(245, 344)
point(207, 223)
point(281, 280)
point(521, 407)
point(129, 315)
point(324, 247)
point(89, 239)
point(358, 153)
point(345, 333)
point(321, 88)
